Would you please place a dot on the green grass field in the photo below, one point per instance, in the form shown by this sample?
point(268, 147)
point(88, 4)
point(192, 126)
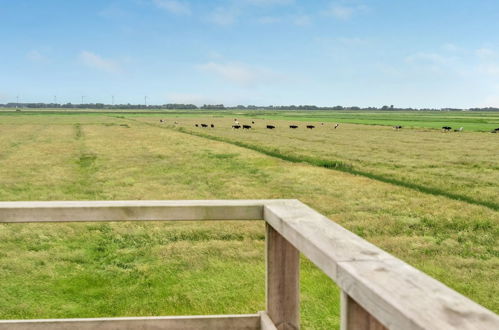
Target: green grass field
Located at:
point(138, 269)
point(463, 166)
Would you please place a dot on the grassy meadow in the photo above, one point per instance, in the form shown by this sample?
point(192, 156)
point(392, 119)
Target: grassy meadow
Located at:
point(141, 269)
point(458, 165)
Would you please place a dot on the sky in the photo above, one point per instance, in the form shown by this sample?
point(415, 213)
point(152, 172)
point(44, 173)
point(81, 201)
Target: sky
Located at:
point(425, 53)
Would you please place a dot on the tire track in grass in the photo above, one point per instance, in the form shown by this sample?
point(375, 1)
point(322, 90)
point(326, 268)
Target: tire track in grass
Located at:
point(86, 167)
point(330, 164)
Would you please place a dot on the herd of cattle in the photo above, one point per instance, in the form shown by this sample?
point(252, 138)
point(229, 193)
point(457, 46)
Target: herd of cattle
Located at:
point(236, 125)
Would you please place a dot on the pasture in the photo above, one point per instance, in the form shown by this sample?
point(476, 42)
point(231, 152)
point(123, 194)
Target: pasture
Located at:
point(374, 187)
point(458, 165)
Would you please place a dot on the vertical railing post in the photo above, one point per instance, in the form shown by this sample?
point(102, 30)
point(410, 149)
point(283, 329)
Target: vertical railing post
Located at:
point(283, 281)
point(354, 317)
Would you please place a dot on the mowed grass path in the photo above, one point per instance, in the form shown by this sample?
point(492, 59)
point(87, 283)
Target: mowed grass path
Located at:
point(458, 165)
point(119, 269)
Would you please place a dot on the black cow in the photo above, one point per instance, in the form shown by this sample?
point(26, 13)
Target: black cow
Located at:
point(204, 125)
point(336, 126)
point(161, 121)
point(253, 122)
point(246, 126)
point(236, 126)
point(310, 126)
point(495, 130)
point(446, 128)
point(196, 125)
point(212, 126)
point(293, 126)
point(397, 127)
point(270, 126)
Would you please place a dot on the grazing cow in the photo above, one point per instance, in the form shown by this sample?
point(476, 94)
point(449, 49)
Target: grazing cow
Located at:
point(212, 126)
point(446, 128)
point(322, 124)
point(397, 127)
point(459, 130)
point(336, 126)
point(293, 126)
point(253, 122)
point(161, 121)
point(310, 126)
point(270, 126)
point(204, 125)
point(246, 126)
point(236, 126)
point(196, 125)
point(495, 130)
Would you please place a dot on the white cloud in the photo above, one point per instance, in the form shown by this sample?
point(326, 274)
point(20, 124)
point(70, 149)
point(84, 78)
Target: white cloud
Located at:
point(269, 2)
point(174, 6)
point(302, 20)
point(220, 98)
point(428, 58)
point(486, 53)
point(36, 56)
point(269, 19)
point(192, 98)
point(95, 61)
point(344, 11)
point(491, 69)
point(449, 47)
point(230, 13)
point(241, 74)
point(224, 16)
point(353, 41)
point(491, 100)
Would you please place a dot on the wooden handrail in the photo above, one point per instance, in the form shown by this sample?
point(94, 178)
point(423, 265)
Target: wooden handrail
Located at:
point(379, 291)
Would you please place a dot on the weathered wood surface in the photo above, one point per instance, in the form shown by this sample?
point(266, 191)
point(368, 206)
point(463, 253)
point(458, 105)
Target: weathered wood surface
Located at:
point(265, 322)
point(215, 322)
point(396, 294)
point(282, 282)
point(131, 210)
point(354, 317)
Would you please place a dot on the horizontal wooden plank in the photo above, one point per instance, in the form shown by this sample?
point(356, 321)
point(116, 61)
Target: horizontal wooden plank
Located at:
point(320, 239)
point(395, 293)
point(67, 211)
point(212, 322)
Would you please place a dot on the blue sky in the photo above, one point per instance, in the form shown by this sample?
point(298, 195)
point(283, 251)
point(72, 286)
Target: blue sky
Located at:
point(425, 53)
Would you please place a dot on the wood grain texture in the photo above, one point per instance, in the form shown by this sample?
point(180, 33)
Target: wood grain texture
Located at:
point(215, 322)
point(393, 292)
point(387, 289)
point(354, 317)
point(130, 210)
point(265, 322)
point(283, 281)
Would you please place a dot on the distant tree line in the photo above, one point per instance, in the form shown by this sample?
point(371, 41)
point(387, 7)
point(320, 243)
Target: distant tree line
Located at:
point(182, 106)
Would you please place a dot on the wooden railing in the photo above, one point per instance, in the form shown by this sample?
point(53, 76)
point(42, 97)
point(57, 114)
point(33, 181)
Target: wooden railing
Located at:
point(379, 291)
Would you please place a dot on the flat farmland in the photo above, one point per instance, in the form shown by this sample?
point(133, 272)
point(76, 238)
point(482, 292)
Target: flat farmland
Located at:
point(131, 269)
point(459, 165)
